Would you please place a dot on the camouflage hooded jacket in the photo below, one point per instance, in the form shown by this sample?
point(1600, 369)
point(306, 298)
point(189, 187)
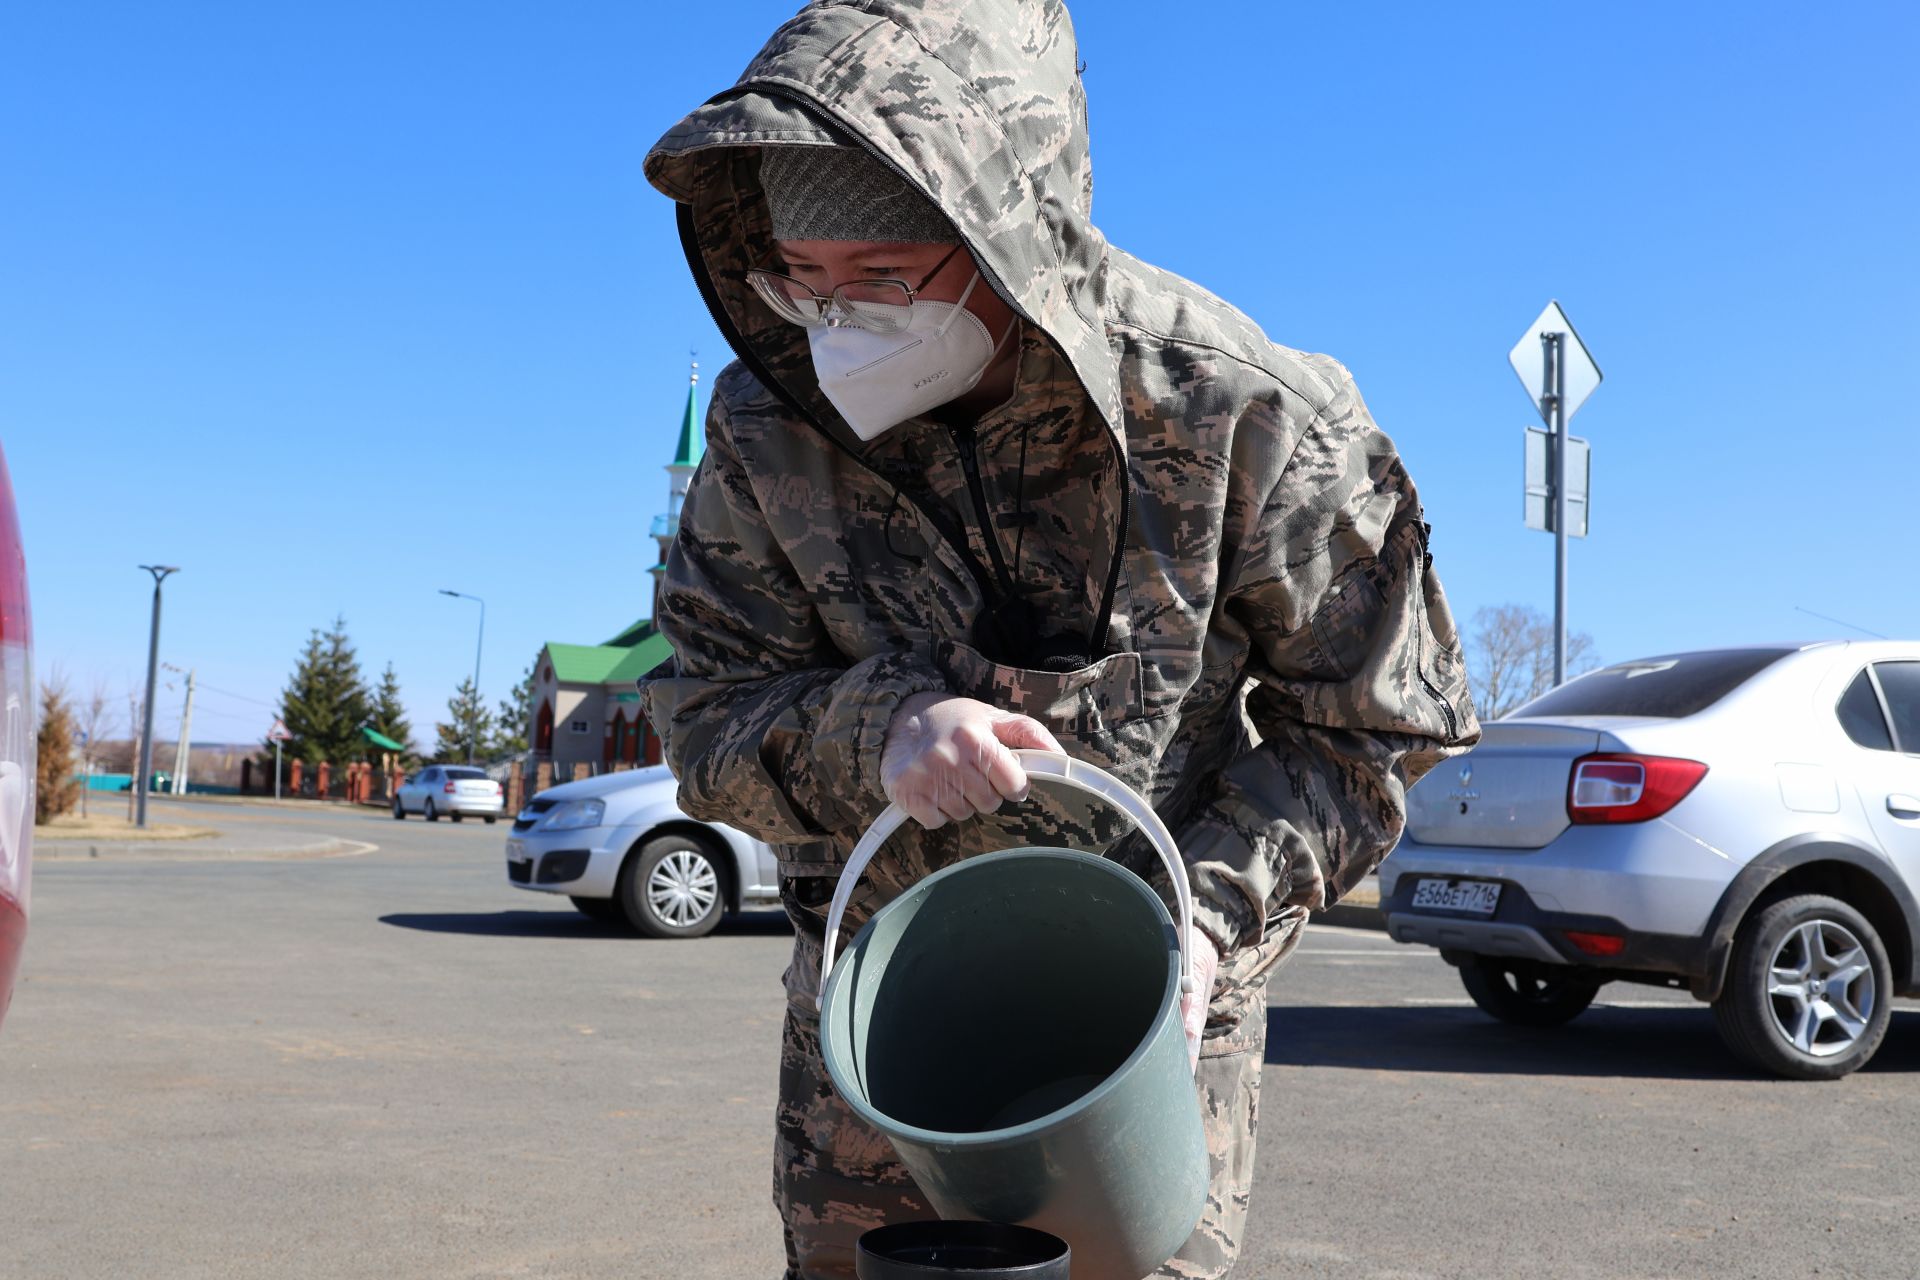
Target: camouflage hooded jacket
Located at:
point(1214, 516)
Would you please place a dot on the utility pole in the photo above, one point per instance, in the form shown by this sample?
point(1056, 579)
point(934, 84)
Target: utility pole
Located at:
point(473, 709)
point(183, 751)
point(140, 781)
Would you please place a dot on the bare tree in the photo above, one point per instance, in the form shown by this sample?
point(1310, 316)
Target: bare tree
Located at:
point(94, 715)
point(1510, 657)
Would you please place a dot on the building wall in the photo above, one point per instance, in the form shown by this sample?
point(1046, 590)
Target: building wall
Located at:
point(577, 704)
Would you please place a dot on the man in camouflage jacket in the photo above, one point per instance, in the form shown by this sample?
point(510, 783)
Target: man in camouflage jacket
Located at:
point(1268, 654)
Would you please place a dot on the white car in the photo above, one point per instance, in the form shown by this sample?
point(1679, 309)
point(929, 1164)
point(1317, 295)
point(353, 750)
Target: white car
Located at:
point(1740, 823)
point(620, 849)
point(457, 790)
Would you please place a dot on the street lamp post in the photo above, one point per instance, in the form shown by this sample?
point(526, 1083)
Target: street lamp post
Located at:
point(159, 572)
point(473, 711)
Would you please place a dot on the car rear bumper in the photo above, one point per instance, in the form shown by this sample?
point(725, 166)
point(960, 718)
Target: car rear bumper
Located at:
point(476, 806)
point(1521, 929)
point(1647, 877)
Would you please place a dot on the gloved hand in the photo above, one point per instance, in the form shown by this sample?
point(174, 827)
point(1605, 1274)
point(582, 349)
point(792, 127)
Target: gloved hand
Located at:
point(947, 758)
point(1193, 1005)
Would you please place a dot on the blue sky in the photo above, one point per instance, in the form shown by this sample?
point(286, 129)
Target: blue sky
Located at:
point(337, 305)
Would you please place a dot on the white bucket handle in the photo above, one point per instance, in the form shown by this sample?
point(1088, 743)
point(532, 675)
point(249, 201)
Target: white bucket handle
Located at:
point(1039, 764)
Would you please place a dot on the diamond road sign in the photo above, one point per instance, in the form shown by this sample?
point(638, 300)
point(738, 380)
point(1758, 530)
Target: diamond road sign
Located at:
point(1529, 360)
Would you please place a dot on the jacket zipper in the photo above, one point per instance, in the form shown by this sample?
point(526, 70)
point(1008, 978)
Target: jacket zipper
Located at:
point(1446, 708)
point(966, 443)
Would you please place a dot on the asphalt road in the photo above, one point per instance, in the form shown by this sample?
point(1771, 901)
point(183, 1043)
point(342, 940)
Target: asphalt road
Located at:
point(393, 1064)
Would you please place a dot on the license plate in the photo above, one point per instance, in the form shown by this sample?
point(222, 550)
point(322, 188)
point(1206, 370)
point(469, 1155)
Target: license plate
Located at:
point(1477, 897)
point(516, 851)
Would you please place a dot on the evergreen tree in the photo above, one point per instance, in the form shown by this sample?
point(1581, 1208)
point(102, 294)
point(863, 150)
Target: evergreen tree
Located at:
point(470, 722)
point(54, 788)
point(389, 716)
point(516, 710)
point(325, 701)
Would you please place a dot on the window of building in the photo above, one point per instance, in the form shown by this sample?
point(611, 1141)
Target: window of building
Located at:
point(578, 726)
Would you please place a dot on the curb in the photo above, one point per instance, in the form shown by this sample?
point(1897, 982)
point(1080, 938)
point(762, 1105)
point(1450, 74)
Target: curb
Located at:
point(1358, 910)
point(181, 851)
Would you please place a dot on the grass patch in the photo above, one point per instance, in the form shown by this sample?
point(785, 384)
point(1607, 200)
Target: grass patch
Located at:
point(71, 826)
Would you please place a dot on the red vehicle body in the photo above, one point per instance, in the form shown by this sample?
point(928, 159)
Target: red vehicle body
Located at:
point(18, 742)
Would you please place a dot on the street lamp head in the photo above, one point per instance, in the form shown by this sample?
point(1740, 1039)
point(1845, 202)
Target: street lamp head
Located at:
point(445, 592)
point(160, 571)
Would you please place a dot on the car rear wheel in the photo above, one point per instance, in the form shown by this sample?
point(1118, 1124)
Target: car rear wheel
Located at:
point(456, 815)
point(491, 819)
point(602, 909)
point(1525, 992)
point(428, 812)
point(671, 888)
point(1808, 990)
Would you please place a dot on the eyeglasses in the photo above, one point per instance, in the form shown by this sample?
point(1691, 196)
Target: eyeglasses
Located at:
point(882, 306)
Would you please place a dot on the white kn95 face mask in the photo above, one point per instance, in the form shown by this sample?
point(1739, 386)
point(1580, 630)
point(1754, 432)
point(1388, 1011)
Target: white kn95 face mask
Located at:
point(879, 380)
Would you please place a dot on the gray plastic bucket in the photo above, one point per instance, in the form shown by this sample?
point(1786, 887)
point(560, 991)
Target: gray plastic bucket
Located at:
point(1012, 1025)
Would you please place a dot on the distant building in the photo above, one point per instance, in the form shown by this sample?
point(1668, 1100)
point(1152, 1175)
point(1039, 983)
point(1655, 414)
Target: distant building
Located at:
point(585, 703)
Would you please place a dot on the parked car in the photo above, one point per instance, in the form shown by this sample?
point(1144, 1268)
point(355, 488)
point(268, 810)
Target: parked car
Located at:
point(621, 849)
point(18, 742)
point(1740, 823)
point(456, 790)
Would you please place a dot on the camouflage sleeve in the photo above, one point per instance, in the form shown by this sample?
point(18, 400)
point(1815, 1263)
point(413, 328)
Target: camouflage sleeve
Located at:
point(766, 724)
point(1360, 684)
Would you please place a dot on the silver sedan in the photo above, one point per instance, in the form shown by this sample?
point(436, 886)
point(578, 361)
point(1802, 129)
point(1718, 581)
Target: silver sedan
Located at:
point(1743, 824)
point(457, 791)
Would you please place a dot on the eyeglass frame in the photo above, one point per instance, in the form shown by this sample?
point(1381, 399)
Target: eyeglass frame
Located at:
point(832, 302)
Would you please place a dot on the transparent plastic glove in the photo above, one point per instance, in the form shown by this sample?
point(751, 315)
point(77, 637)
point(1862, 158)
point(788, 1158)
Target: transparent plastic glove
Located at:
point(1193, 1006)
point(947, 758)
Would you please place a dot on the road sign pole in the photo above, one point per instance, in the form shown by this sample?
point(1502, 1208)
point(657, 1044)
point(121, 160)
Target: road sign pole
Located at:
point(1554, 393)
point(276, 768)
point(1565, 376)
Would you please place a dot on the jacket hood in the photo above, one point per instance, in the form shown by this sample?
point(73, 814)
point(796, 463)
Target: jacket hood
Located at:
point(978, 103)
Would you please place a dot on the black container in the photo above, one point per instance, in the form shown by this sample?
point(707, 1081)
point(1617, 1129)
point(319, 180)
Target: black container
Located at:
point(979, 1250)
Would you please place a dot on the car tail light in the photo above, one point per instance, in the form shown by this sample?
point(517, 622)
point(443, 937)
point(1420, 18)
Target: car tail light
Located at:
point(448, 788)
point(18, 742)
point(1597, 944)
point(1628, 788)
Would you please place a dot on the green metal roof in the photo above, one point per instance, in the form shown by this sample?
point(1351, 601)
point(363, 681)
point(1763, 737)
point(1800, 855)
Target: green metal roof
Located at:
point(583, 663)
point(641, 659)
point(637, 630)
point(605, 663)
point(380, 739)
point(692, 440)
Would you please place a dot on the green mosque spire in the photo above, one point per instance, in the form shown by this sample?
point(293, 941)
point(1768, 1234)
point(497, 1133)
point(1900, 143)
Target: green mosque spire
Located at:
point(692, 440)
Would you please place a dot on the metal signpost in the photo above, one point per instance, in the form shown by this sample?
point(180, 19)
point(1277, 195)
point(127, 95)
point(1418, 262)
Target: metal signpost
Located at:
point(277, 735)
point(1559, 375)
